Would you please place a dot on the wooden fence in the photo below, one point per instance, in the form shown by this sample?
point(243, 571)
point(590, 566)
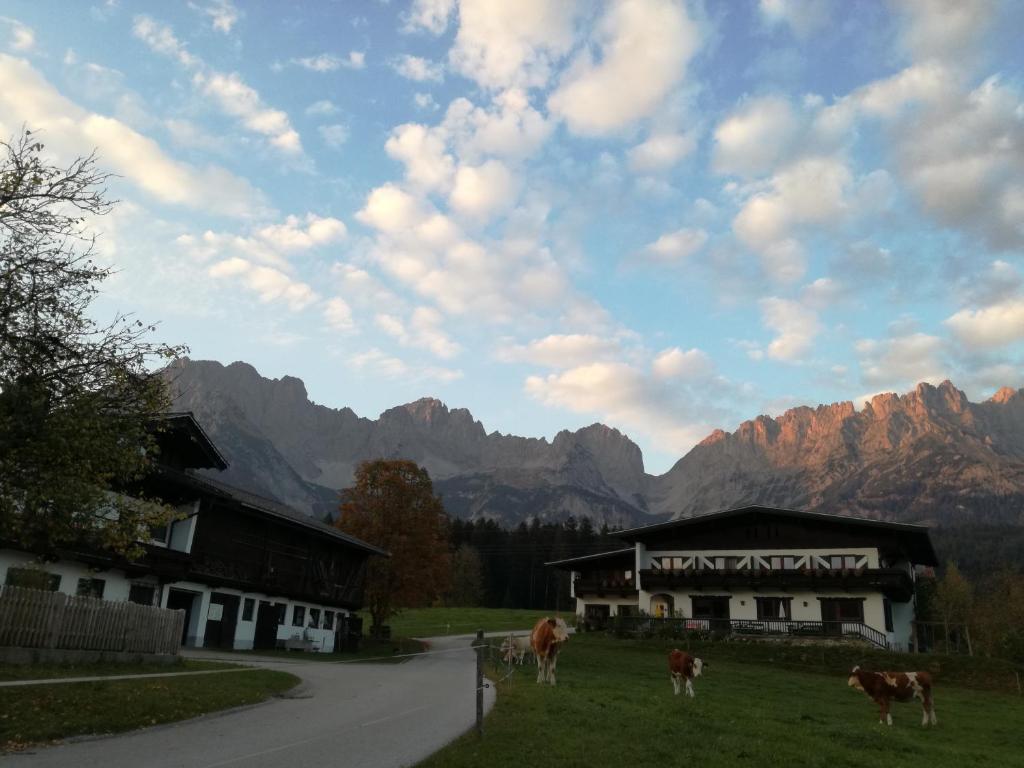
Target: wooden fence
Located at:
point(32, 618)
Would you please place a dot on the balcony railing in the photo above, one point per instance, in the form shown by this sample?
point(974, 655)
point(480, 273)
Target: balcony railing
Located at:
point(895, 583)
point(793, 629)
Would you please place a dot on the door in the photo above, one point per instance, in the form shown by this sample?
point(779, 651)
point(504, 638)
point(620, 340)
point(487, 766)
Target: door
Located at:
point(221, 621)
point(715, 610)
point(267, 621)
point(835, 611)
point(180, 600)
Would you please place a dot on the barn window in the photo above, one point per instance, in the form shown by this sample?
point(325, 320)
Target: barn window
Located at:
point(328, 619)
point(314, 618)
point(142, 594)
point(90, 587)
point(299, 616)
point(887, 609)
point(33, 578)
point(247, 609)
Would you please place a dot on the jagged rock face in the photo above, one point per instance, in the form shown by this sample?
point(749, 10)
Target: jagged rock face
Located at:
point(929, 455)
point(266, 423)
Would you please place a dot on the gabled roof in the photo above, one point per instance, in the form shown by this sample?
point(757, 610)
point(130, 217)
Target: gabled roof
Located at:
point(271, 508)
point(185, 426)
point(613, 555)
point(915, 536)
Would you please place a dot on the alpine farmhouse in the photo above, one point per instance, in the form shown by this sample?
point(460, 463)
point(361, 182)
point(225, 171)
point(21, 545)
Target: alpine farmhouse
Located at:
point(247, 571)
point(761, 571)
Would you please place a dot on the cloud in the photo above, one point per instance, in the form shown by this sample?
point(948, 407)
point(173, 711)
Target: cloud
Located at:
point(328, 62)
point(424, 101)
point(429, 15)
point(378, 363)
point(267, 283)
point(902, 360)
point(661, 151)
point(561, 350)
point(26, 98)
point(418, 69)
point(228, 91)
point(947, 29)
point(422, 331)
point(645, 46)
point(23, 38)
point(223, 15)
point(755, 137)
point(482, 191)
point(423, 150)
point(795, 328)
point(675, 246)
point(804, 17)
point(674, 363)
point(508, 127)
point(334, 135)
point(501, 44)
point(338, 315)
point(994, 326)
point(322, 108)
point(297, 234)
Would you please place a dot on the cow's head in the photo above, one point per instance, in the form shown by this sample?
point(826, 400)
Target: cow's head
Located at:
point(698, 667)
point(560, 629)
point(854, 680)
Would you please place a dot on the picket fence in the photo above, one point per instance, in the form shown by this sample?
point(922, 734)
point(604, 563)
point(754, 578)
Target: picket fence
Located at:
point(33, 618)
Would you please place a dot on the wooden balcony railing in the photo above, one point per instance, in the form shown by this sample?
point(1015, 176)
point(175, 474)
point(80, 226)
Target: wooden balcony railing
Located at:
point(605, 587)
point(894, 583)
point(649, 625)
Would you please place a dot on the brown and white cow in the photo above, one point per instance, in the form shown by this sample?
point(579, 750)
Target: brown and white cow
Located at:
point(884, 687)
point(683, 666)
point(548, 634)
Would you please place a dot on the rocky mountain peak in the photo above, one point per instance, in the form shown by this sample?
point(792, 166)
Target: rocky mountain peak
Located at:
point(1006, 395)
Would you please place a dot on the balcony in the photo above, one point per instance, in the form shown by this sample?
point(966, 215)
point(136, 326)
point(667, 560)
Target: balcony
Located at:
point(647, 626)
point(894, 583)
point(605, 587)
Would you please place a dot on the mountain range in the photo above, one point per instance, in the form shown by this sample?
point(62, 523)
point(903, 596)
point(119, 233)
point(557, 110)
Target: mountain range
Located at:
point(929, 455)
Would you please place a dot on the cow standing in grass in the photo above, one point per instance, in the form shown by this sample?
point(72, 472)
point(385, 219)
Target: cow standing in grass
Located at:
point(683, 666)
point(548, 634)
point(884, 687)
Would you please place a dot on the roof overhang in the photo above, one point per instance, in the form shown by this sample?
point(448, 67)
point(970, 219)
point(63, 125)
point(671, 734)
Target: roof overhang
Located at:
point(611, 558)
point(184, 427)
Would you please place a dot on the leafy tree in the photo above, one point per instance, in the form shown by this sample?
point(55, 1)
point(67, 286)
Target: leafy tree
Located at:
point(392, 505)
point(76, 397)
point(953, 596)
point(467, 577)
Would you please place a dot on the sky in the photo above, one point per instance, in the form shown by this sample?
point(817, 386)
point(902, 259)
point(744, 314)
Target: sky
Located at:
point(665, 216)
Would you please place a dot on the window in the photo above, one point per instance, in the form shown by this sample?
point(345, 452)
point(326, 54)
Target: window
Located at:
point(849, 561)
point(677, 563)
point(773, 607)
point(299, 616)
point(314, 618)
point(282, 611)
point(158, 533)
point(789, 563)
point(629, 575)
point(835, 562)
point(90, 587)
point(776, 563)
point(248, 607)
point(142, 594)
point(33, 578)
point(328, 619)
point(628, 610)
point(887, 609)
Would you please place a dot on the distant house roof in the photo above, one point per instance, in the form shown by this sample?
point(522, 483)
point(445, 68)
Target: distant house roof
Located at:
point(270, 508)
point(190, 437)
point(915, 537)
point(614, 557)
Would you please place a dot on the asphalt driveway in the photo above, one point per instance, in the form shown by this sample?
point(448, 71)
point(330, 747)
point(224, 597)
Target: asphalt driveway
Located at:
point(352, 715)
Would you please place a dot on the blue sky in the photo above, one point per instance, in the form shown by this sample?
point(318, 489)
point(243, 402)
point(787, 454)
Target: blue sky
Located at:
point(666, 216)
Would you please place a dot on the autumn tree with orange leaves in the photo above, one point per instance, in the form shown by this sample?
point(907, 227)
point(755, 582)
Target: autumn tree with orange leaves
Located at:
point(392, 505)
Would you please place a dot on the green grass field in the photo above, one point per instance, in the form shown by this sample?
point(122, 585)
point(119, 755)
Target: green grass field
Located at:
point(47, 671)
point(44, 713)
point(432, 622)
point(614, 707)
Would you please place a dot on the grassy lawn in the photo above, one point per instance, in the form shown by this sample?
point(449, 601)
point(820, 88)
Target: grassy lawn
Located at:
point(383, 651)
point(613, 706)
point(43, 713)
point(431, 622)
point(46, 671)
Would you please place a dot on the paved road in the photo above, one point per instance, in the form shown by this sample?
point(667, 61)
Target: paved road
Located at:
point(352, 715)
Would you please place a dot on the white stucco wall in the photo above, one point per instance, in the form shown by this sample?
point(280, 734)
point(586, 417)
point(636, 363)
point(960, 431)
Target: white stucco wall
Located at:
point(116, 584)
